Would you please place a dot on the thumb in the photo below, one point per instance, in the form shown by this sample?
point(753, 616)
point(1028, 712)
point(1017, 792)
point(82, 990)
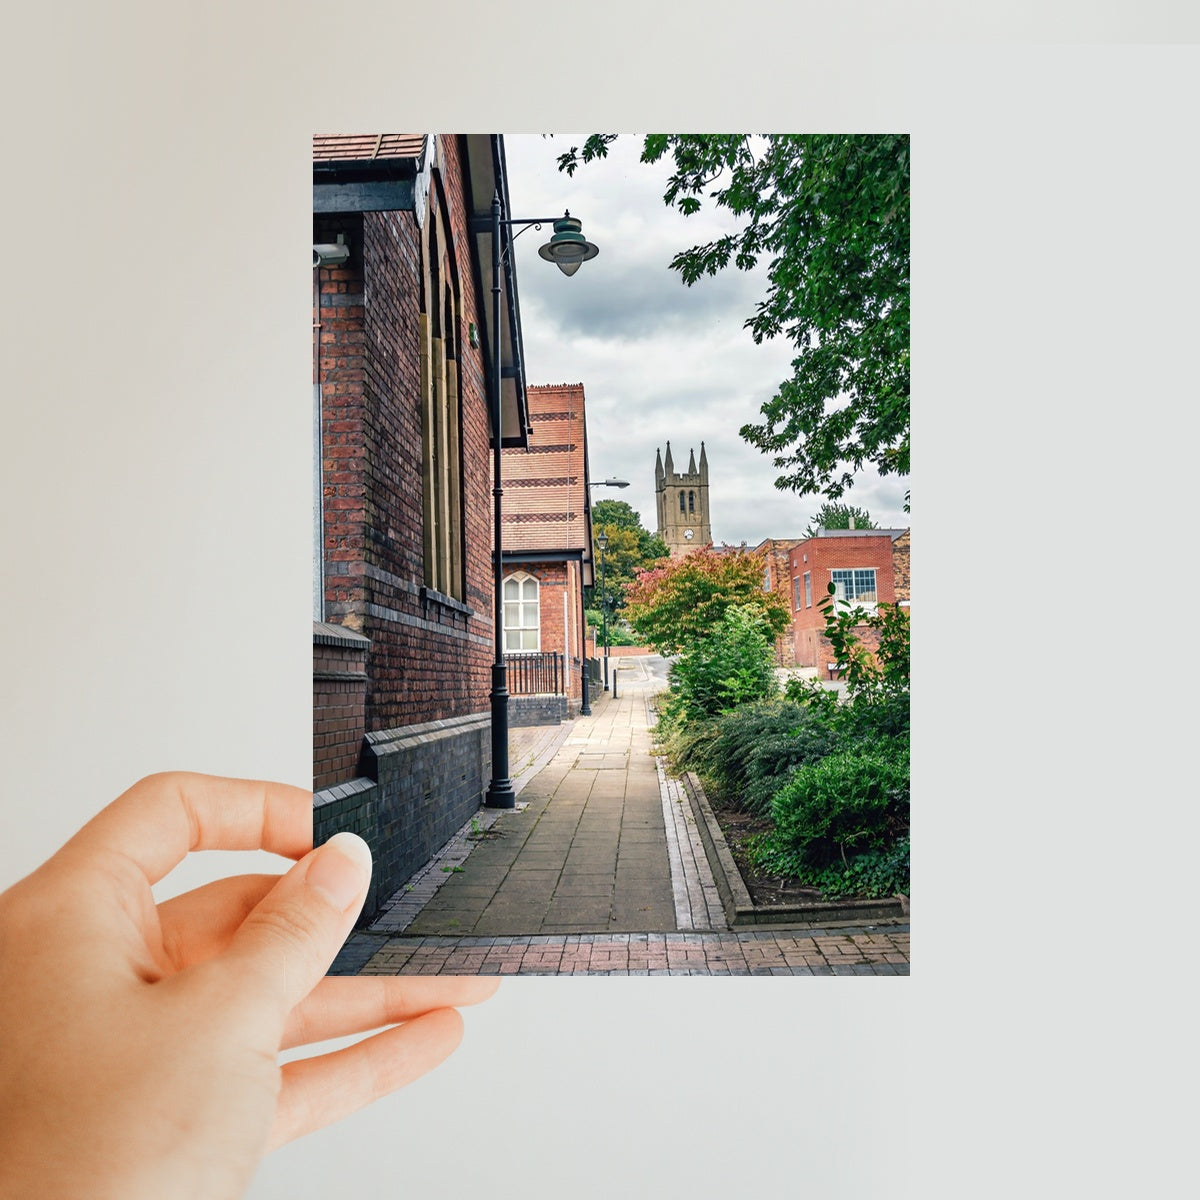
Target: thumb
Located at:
point(283, 948)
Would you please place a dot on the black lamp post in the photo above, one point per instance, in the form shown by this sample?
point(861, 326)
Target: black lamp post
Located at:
point(568, 248)
point(602, 541)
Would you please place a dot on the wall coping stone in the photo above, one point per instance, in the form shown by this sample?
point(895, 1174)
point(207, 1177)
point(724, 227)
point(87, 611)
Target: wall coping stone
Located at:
point(325, 633)
point(385, 740)
point(342, 791)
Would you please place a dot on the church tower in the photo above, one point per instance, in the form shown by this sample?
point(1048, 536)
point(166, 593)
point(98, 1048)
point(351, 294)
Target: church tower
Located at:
point(682, 502)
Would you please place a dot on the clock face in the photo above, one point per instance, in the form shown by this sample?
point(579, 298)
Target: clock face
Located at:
point(687, 533)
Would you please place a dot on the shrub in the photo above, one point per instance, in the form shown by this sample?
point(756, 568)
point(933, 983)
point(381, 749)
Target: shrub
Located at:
point(869, 875)
point(813, 695)
point(867, 674)
point(870, 721)
point(754, 749)
point(846, 802)
point(733, 665)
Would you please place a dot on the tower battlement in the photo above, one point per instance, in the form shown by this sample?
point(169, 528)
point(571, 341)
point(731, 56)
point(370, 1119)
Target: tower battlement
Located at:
point(681, 500)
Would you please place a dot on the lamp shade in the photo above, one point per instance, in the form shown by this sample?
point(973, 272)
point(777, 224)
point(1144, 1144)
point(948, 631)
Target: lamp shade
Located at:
point(602, 539)
point(568, 247)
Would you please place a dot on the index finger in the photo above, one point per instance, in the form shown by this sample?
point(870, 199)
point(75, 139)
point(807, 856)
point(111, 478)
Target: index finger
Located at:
point(159, 820)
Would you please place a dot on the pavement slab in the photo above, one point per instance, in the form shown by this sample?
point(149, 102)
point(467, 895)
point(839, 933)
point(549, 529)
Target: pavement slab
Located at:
point(599, 869)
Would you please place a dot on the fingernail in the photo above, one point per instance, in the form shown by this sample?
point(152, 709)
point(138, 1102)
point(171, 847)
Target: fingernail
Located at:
point(341, 869)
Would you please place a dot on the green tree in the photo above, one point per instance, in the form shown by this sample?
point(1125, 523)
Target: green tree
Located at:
point(631, 548)
point(837, 516)
point(616, 512)
point(733, 665)
point(830, 214)
point(676, 605)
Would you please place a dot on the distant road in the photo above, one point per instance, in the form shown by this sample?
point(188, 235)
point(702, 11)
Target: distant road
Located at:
point(643, 668)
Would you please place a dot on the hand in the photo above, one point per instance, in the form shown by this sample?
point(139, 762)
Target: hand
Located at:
point(139, 1042)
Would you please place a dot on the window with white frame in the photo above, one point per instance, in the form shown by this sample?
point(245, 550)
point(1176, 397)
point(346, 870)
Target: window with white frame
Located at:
point(796, 592)
point(521, 623)
point(807, 590)
point(855, 586)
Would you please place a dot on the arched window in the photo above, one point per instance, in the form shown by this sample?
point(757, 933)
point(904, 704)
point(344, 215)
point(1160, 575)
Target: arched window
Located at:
point(691, 502)
point(441, 404)
point(521, 622)
point(682, 503)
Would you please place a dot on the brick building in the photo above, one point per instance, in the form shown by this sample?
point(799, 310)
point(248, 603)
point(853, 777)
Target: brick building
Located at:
point(403, 636)
point(863, 566)
point(547, 539)
point(777, 577)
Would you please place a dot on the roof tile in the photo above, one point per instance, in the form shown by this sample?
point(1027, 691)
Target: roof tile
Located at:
point(367, 147)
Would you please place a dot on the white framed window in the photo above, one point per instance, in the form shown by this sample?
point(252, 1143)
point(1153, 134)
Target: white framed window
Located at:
point(796, 592)
point(807, 590)
point(855, 587)
point(522, 625)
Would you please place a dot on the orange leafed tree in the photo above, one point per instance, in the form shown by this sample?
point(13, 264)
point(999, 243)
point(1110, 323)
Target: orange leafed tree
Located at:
point(675, 605)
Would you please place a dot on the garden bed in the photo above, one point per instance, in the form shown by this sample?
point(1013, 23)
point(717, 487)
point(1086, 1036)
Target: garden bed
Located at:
point(752, 898)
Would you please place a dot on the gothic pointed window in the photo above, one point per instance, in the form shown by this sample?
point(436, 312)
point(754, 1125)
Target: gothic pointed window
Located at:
point(441, 474)
point(682, 503)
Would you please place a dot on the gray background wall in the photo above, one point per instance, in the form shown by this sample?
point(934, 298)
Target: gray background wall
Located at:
point(143, 636)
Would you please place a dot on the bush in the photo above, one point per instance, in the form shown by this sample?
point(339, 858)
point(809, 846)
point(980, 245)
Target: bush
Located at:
point(733, 665)
point(846, 802)
point(869, 875)
point(870, 721)
point(747, 755)
point(812, 694)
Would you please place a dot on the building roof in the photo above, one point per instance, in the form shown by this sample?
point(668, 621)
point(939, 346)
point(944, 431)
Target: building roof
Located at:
point(367, 147)
point(546, 503)
point(837, 533)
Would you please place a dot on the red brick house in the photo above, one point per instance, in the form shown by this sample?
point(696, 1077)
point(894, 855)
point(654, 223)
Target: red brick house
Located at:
point(862, 565)
point(777, 577)
point(403, 635)
point(547, 539)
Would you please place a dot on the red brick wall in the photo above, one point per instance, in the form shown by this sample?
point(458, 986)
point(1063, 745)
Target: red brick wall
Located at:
point(811, 648)
point(776, 553)
point(339, 712)
point(900, 565)
point(427, 660)
point(554, 581)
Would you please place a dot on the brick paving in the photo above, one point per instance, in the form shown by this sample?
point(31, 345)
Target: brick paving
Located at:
point(586, 851)
point(859, 950)
point(598, 871)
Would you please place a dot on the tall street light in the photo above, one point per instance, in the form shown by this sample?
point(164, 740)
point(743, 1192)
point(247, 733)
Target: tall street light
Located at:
point(609, 482)
point(568, 248)
point(602, 541)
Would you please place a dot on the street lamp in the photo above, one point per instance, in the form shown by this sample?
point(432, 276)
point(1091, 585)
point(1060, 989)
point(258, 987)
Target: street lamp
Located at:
point(602, 541)
point(568, 248)
point(610, 482)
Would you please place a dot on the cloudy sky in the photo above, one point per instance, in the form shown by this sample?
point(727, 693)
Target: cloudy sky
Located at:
point(659, 361)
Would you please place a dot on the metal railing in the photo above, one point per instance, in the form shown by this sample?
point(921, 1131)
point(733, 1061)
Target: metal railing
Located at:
point(536, 674)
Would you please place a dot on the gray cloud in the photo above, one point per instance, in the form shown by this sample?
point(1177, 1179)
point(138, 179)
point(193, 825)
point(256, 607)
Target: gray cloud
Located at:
point(658, 361)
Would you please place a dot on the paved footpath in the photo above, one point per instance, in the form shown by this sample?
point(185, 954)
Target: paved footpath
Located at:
point(598, 870)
